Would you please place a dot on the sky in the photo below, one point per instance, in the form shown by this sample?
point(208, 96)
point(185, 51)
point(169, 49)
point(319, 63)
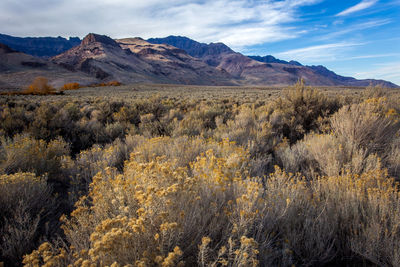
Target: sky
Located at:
point(358, 38)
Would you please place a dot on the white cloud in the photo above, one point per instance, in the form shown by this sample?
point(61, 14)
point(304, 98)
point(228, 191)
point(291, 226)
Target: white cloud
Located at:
point(388, 71)
point(317, 53)
point(356, 28)
point(360, 6)
point(372, 56)
point(235, 22)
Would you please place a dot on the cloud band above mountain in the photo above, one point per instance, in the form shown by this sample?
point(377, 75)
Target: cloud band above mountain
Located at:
point(235, 23)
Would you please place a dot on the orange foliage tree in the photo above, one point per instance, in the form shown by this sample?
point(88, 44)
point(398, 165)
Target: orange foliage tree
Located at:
point(40, 86)
point(70, 86)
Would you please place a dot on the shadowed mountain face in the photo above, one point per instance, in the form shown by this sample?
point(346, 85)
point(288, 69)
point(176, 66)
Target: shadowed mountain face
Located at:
point(17, 70)
point(135, 60)
point(40, 46)
point(193, 48)
point(263, 70)
point(6, 50)
point(271, 59)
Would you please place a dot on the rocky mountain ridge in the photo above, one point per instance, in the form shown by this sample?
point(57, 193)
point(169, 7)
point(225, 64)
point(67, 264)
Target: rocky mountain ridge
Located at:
point(133, 60)
point(265, 70)
point(40, 46)
point(173, 59)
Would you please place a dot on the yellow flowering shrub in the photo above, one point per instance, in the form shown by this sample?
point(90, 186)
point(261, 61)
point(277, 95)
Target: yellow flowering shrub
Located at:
point(157, 212)
point(210, 212)
point(88, 163)
point(184, 150)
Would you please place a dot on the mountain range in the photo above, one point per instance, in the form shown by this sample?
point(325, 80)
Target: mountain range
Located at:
point(174, 60)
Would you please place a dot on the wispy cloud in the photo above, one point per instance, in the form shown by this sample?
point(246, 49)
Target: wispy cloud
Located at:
point(360, 6)
point(371, 56)
point(388, 71)
point(318, 53)
point(356, 27)
point(235, 22)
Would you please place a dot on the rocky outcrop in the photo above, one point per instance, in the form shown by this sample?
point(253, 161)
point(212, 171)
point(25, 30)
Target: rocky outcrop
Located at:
point(134, 60)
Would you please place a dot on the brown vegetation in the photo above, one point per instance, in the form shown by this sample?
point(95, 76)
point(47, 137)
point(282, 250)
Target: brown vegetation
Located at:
point(39, 86)
point(302, 178)
point(111, 83)
point(71, 86)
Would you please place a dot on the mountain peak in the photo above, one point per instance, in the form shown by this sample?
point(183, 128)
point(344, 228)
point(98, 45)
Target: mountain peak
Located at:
point(218, 48)
point(97, 38)
point(192, 47)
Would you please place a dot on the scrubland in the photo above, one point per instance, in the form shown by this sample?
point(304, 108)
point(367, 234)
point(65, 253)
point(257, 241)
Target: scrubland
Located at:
point(165, 175)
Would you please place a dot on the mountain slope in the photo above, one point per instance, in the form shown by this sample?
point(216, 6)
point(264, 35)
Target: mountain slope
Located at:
point(263, 70)
point(173, 59)
point(18, 70)
point(175, 63)
point(40, 46)
point(133, 60)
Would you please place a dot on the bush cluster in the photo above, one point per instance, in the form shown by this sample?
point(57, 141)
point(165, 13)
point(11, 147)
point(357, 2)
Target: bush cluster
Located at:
point(300, 179)
point(71, 86)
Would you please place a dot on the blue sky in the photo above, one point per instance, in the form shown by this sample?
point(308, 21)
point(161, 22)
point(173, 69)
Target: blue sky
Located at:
point(359, 38)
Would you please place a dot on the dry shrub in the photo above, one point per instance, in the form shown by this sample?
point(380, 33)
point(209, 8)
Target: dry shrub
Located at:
point(375, 92)
point(154, 214)
point(250, 129)
point(71, 86)
point(190, 200)
point(13, 120)
point(88, 163)
point(26, 154)
point(199, 121)
point(366, 207)
point(40, 86)
point(367, 125)
point(182, 150)
point(337, 217)
point(393, 159)
point(114, 83)
point(327, 155)
point(110, 83)
point(157, 213)
point(299, 111)
point(25, 204)
point(364, 137)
